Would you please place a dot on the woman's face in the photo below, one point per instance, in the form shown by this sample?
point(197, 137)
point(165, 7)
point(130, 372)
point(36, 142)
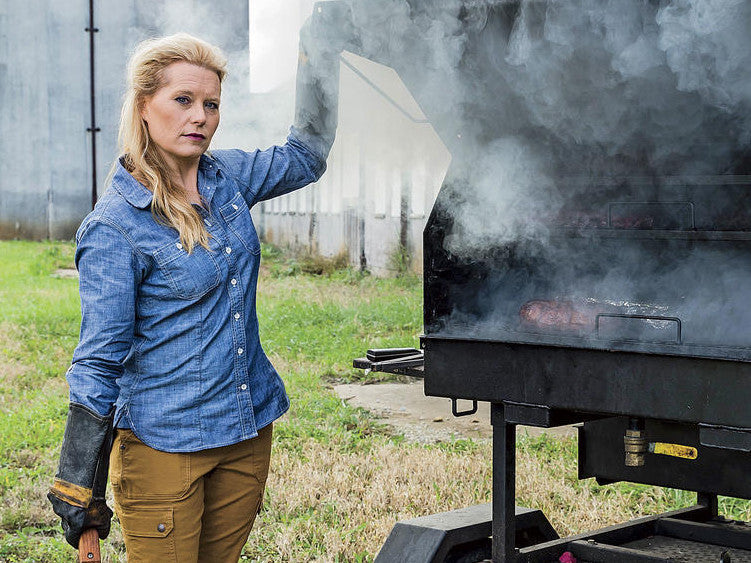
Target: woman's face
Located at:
point(183, 114)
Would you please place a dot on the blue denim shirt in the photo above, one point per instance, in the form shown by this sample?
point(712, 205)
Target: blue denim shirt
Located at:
point(170, 339)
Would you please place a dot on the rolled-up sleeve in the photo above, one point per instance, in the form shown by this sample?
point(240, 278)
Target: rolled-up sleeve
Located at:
point(109, 275)
point(278, 170)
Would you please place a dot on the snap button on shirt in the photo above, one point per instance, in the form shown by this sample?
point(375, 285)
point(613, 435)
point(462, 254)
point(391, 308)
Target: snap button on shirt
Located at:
point(155, 327)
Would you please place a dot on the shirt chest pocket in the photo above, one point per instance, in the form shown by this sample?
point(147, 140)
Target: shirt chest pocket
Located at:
point(236, 213)
point(190, 276)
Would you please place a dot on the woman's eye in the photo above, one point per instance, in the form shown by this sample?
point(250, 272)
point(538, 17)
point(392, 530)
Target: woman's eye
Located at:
point(182, 100)
point(212, 105)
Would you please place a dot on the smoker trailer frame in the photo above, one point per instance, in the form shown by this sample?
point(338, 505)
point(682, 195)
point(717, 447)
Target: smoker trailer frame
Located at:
point(703, 398)
point(606, 391)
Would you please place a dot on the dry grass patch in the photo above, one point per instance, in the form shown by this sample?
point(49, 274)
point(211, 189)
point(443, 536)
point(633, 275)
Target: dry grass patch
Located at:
point(25, 504)
point(552, 486)
point(549, 481)
point(27, 364)
point(340, 506)
point(285, 365)
point(325, 504)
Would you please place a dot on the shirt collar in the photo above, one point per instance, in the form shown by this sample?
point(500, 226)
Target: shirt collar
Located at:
point(141, 197)
point(208, 165)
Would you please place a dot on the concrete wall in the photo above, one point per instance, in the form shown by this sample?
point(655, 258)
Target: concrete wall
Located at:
point(45, 149)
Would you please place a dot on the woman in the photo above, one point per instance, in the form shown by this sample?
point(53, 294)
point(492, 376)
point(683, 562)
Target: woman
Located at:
point(169, 352)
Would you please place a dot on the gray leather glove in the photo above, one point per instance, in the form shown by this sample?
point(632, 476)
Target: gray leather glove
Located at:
point(77, 495)
point(323, 37)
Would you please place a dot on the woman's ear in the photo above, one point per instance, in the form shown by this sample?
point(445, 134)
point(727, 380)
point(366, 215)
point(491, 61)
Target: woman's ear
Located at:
point(143, 109)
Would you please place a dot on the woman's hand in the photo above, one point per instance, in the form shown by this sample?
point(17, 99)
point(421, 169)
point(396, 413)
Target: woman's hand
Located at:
point(77, 495)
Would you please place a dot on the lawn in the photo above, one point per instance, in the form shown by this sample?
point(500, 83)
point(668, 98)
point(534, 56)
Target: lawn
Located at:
point(339, 479)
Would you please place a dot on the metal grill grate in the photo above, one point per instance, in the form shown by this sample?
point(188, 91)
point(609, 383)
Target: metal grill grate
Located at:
point(685, 551)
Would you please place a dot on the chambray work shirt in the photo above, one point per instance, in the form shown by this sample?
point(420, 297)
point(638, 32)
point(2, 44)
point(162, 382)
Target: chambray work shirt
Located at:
point(170, 339)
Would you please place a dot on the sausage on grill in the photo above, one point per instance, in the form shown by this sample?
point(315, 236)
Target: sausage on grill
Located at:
point(559, 315)
point(580, 315)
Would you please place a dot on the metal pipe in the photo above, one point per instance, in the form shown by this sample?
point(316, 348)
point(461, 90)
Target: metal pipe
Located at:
point(504, 486)
point(93, 129)
point(635, 442)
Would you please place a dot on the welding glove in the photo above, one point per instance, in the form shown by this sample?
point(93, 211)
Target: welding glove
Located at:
point(323, 37)
point(77, 495)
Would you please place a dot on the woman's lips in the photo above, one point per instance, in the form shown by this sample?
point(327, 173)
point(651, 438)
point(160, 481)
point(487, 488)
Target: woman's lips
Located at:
point(195, 136)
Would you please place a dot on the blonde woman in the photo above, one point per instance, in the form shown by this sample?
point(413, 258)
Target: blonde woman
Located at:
point(169, 354)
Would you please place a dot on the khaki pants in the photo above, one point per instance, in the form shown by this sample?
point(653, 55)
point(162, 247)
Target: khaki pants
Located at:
point(191, 507)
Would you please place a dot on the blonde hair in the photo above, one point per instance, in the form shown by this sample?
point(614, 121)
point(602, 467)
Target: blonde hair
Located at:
point(170, 204)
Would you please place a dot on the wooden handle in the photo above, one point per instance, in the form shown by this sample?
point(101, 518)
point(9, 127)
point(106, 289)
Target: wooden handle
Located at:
point(88, 547)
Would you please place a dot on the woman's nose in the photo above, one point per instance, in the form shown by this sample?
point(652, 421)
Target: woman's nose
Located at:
point(198, 115)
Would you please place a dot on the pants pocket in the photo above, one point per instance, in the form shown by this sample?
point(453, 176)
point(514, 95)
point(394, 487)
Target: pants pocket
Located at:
point(143, 473)
point(148, 534)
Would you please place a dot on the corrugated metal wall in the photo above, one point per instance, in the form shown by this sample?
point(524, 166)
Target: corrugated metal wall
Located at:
point(45, 149)
point(381, 157)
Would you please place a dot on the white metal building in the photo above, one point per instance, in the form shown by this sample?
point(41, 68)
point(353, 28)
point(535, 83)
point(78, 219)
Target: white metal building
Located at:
point(384, 172)
point(386, 165)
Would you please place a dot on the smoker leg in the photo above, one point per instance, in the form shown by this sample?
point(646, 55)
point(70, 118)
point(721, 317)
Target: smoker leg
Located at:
point(504, 486)
point(709, 500)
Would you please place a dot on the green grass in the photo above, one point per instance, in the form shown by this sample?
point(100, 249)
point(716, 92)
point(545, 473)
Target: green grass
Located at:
point(312, 326)
point(314, 331)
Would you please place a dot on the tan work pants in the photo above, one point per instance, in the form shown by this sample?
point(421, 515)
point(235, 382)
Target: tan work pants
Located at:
point(188, 507)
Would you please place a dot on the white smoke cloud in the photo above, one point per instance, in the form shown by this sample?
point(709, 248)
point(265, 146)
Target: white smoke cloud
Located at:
point(708, 47)
point(274, 39)
point(559, 110)
point(585, 87)
point(497, 202)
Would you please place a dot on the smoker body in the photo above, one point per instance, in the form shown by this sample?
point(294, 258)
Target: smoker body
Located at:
point(682, 379)
point(614, 292)
point(665, 349)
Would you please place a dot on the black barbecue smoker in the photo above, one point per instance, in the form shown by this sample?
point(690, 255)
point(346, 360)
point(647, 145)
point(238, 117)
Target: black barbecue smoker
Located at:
point(588, 258)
